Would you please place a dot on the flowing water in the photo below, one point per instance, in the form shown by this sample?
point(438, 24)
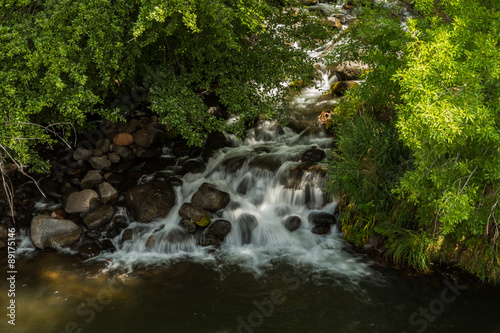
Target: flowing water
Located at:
point(265, 279)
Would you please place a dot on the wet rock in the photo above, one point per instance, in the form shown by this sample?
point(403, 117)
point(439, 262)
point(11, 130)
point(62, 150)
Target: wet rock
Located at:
point(99, 216)
point(149, 202)
point(193, 166)
point(96, 153)
point(125, 165)
point(246, 183)
point(80, 202)
point(292, 223)
point(120, 221)
point(47, 232)
point(58, 213)
point(321, 229)
point(322, 219)
point(128, 235)
point(123, 139)
point(215, 233)
point(350, 70)
point(194, 213)
point(188, 226)
point(267, 162)
point(295, 125)
point(175, 181)
point(113, 178)
point(210, 198)
point(91, 179)
point(108, 246)
point(178, 236)
point(313, 155)
point(88, 250)
point(81, 154)
point(159, 164)
point(217, 140)
point(247, 223)
point(104, 145)
point(99, 163)
point(233, 164)
point(108, 193)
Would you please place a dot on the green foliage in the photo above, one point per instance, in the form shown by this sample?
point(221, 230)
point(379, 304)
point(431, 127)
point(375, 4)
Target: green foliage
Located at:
point(437, 83)
point(63, 60)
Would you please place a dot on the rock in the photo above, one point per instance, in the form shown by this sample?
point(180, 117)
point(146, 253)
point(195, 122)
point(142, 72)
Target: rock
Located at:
point(88, 250)
point(114, 157)
point(47, 232)
point(193, 166)
point(321, 229)
point(217, 140)
point(51, 188)
point(332, 21)
point(310, 2)
point(91, 179)
point(149, 202)
point(123, 139)
point(313, 155)
point(127, 128)
point(215, 233)
point(99, 163)
point(339, 88)
point(247, 223)
point(195, 214)
point(189, 226)
point(178, 236)
point(210, 198)
point(146, 153)
point(80, 202)
point(124, 152)
point(322, 219)
point(108, 246)
point(159, 164)
point(128, 235)
point(96, 152)
point(113, 178)
point(350, 70)
point(146, 137)
point(295, 125)
point(104, 145)
point(108, 193)
point(292, 223)
point(81, 154)
point(58, 213)
point(99, 217)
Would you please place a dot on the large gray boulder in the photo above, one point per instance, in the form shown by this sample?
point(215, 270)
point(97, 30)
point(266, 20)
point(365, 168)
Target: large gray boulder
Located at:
point(47, 232)
point(149, 202)
point(80, 202)
point(210, 198)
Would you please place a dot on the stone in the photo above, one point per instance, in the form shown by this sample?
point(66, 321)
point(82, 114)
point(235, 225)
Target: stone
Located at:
point(210, 198)
point(193, 166)
point(91, 179)
point(51, 188)
point(322, 218)
point(292, 222)
point(108, 246)
point(80, 201)
point(247, 224)
point(99, 163)
point(108, 193)
point(217, 140)
point(295, 125)
point(97, 152)
point(149, 202)
point(104, 145)
point(332, 21)
point(321, 229)
point(123, 139)
point(195, 214)
point(58, 213)
point(114, 157)
point(89, 250)
point(145, 137)
point(267, 162)
point(350, 70)
point(124, 152)
point(188, 226)
point(215, 233)
point(47, 232)
point(81, 154)
point(146, 153)
point(313, 155)
point(128, 235)
point(99, 216)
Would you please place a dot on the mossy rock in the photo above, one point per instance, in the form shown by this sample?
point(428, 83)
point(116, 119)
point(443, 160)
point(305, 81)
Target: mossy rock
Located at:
point(339, 88)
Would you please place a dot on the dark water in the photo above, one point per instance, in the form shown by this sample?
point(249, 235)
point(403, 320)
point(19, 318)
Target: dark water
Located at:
point(54, 293)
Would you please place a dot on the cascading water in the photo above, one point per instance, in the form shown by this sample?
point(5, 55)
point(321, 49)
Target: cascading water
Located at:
point(267, 184)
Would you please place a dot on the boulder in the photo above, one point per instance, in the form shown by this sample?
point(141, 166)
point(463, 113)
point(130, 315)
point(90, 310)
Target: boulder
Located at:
point(99, 163)
point(189, 226)
point(91, 179)
point(322, 218)
point(47, 232)
point(108, 193)
point(89, 250)
point(147, 153)
point(149, 202)
point(210, 198)
point(114, 157)
point(123, 139)
point(313, 155)
point(99, 217)
point(97, 152)
point(193, 166)
point(217, 140)
point(321, 229)
point(103, 145)
point(292, 222)
point(123, 151)
point(215, 233)
point(193, 213)
point(51, 188)
point(81, 154)
point(80, 201)
point(146, 137)
point(350, 70)
point(295, 125)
